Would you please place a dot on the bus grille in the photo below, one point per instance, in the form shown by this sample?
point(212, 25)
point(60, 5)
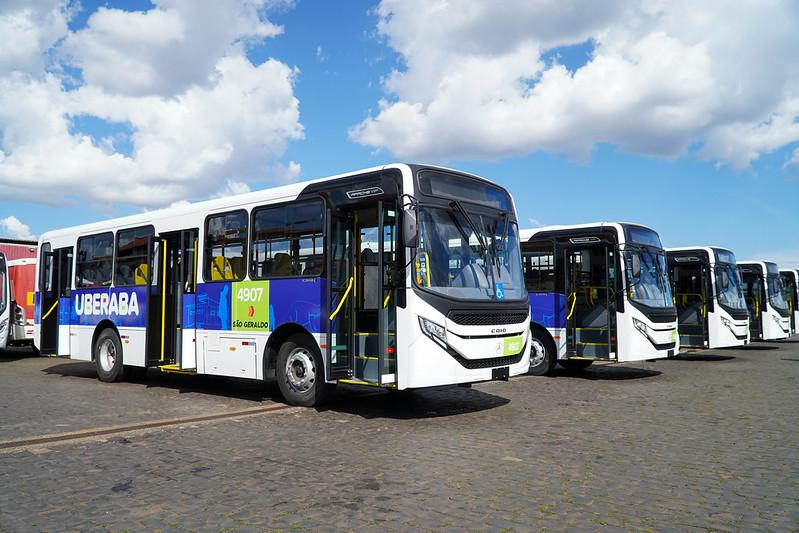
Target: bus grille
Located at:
point(482, 318)
point(473, 364)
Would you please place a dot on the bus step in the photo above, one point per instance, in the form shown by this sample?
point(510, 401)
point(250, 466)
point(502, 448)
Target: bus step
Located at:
point(175, 369)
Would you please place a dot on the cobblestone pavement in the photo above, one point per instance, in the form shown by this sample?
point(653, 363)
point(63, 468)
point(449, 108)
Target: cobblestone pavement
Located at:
point(708, 442)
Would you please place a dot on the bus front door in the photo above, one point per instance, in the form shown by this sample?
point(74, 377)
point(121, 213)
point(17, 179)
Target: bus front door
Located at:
point(590, 302)
point(690, 288)
point(55, 283)
point(171, 341)
point(362, 320)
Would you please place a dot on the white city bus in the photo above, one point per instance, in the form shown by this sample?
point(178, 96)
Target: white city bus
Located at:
point(709, 296)
point(769, 318)
point(598, 292)
point(399, 276)
point(790, 279)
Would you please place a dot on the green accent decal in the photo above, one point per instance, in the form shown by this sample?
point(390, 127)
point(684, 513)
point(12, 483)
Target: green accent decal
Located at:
point(513, 345)
point(250, 306)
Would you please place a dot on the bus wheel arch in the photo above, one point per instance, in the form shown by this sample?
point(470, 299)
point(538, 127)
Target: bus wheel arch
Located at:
point(299, 369)
point(543, 351)
point(276, 339)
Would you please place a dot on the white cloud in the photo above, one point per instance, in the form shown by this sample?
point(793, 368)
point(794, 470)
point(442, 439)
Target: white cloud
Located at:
point(13, 227)
point(534, 222)
point(28, 29)
point(793, 160)
point(213, 118)
point(663, 76)
point(786, 258)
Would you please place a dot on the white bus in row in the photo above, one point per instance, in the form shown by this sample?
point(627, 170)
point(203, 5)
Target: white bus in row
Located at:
point(399, 276)
point(769, 317)
point(708, 294)
point(598, 292)
point(790, 279)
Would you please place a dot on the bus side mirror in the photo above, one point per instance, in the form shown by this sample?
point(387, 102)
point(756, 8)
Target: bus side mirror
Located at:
point(410, 228)
point(725, 279)
point(636, 266)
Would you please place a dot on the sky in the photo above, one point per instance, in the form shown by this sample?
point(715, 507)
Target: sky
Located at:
point(680, 115)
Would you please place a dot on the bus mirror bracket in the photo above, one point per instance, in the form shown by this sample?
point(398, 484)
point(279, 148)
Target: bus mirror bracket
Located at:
point(410, 226)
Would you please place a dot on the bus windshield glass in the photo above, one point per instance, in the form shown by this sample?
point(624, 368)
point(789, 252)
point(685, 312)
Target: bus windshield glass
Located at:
point(456, 261)
point(731, 296)
point(455, 187)
point(648, 285)
point(776, 292)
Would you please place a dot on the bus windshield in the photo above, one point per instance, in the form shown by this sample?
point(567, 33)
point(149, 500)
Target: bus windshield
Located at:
point(650, 285)
point(732, 295)
point(776, 292)
point(455, 260)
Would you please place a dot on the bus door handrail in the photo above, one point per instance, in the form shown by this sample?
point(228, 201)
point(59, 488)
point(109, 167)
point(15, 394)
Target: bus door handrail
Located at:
point(574, 301)
point(343, 298)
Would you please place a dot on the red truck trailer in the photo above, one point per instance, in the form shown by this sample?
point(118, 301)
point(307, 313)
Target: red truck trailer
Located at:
point(20, 271)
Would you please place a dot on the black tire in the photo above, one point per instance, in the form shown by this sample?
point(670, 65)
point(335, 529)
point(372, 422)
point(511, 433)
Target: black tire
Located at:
point(108, 357)
point(542, 353)
point(575, 364)
point(300, 372)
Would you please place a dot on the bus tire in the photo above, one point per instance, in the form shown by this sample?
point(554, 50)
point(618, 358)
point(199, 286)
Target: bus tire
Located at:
point(542, 354)
point(575, 364)
point(108, 357)
point(300, 372)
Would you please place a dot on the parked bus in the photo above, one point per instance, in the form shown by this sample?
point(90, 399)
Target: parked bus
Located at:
point(5, 297)
point(21, 266)
point(769, 318)
point(598, 292)
point(708, 293)
point(790, 278)
point(400, 276)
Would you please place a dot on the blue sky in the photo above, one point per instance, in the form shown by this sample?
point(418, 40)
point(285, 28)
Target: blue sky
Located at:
point(720, 174)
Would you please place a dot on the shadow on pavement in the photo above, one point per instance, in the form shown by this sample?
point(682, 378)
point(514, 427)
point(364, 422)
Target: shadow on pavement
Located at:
point(606, 372)
point(406, 405)
point(242, 389)
point(703, 357)
point(15, 353)
point(758, 347)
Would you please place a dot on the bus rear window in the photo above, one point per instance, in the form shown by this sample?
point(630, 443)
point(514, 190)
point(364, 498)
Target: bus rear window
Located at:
point(464, 188)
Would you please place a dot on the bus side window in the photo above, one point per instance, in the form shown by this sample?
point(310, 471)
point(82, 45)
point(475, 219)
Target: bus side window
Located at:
point(288, 241)
point(225, 254)
point(539, 267)
point(95, 260)
point(131, 256)
point(45, 269)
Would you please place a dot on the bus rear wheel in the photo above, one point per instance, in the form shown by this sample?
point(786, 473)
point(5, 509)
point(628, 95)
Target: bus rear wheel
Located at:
point(575, 364)
point(542, 354)
point(300, 372)
point(108, 356)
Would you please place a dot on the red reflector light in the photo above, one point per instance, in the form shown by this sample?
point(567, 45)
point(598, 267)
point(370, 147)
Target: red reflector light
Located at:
point(391, 351)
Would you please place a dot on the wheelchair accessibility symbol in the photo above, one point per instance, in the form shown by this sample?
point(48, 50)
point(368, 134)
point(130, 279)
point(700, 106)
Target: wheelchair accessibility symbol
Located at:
point(499, 291)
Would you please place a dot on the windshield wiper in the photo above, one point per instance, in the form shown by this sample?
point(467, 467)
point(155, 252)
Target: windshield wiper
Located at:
point(457, 205)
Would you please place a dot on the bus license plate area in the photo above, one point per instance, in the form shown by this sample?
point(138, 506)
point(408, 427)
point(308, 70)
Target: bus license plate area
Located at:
point(501, 373)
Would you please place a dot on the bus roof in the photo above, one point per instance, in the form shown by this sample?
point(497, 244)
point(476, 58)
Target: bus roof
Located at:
point(527, 234)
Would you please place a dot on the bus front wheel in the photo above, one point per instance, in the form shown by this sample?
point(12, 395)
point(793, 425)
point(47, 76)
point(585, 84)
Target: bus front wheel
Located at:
point(300, 372)
point(542, 354)
point(108, 356)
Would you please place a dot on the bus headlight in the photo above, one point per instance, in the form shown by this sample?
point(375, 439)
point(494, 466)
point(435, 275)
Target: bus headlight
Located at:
point(726, 322)
point(433, 330)
point(640, 326)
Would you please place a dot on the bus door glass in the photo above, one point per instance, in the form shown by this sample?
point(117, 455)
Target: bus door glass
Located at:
point(691, 297)
point(55, 281)
point(171, 306)
point(362, 332)
point(590, 299)
point(753, 293)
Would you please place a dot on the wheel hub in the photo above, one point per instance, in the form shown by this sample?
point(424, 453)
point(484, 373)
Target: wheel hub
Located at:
point(538, 354)
point(107, 355)
point(300, 370)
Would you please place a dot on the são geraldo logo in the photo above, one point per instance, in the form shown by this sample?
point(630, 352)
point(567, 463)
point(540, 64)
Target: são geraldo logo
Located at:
point(105, 304)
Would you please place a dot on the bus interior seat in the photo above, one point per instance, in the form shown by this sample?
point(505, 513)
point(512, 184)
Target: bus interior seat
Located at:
point(140, 274)
point(281, 265)
point(313, 266)
point(237, 268)
point(220, 268)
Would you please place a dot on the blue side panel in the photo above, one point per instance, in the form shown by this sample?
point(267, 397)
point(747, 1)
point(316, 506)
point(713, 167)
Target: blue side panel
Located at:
point(37, 308)
point(189, 307)
point(64, 308)
point(548, 309)
point(212, 309)
point(299, 301)
point(126, 306)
